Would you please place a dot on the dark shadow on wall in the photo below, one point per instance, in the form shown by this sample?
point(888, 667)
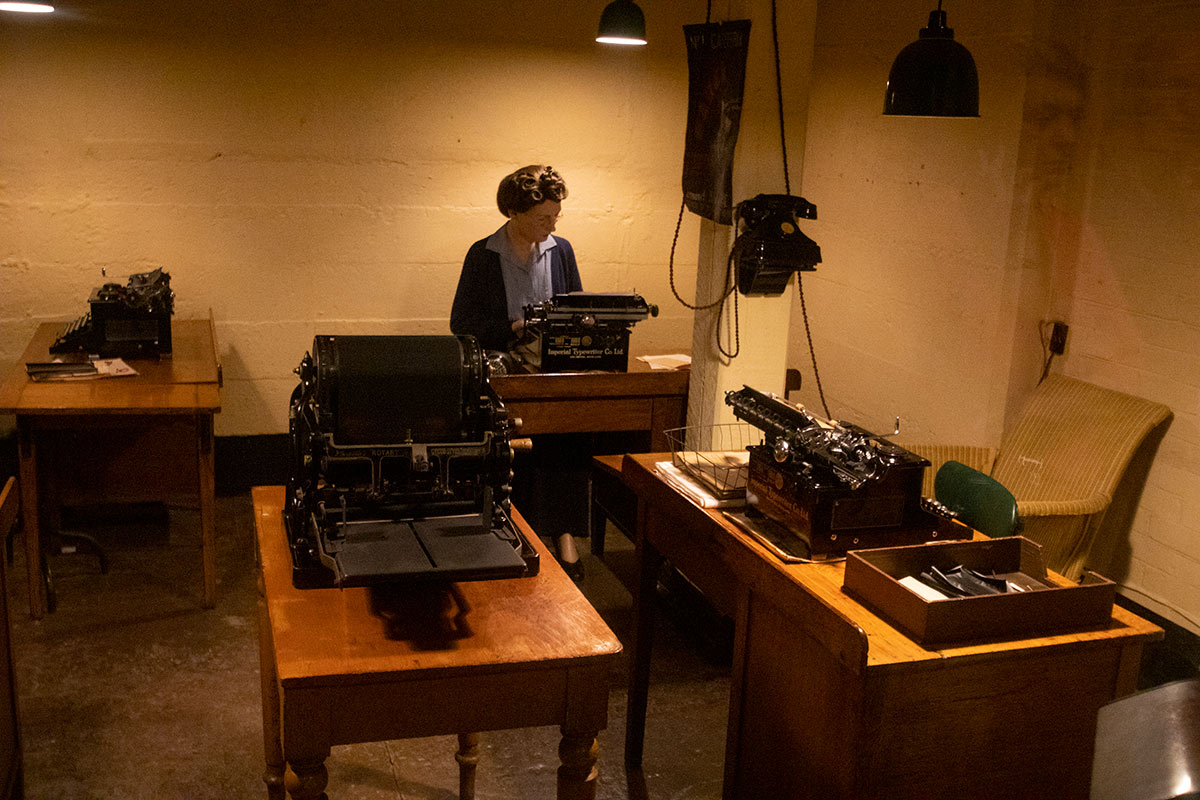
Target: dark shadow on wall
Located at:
point(1111, 553)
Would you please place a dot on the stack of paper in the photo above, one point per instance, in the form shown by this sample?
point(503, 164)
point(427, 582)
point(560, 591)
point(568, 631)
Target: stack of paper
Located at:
point(685, 485)
point(59, 370)
point(672, 361)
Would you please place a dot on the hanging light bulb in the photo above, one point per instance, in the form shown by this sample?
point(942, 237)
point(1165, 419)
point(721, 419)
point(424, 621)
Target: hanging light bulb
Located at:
point(934, 76)
point(27, 8)
point(622, 22)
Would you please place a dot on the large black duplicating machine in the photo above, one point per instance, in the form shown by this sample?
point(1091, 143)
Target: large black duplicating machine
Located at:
point(402, 465)
point(581, 331)
point(131, 321)
point(833, 484)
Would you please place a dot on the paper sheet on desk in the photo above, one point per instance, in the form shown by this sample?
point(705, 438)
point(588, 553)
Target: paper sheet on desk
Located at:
point(673, 361)
point(683, 483)
point(58, 370)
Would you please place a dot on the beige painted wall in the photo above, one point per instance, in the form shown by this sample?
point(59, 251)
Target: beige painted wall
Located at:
point(1134, 296)
point(911, 309)
point(301, 170)
point(1073, 197)
point(298, 170)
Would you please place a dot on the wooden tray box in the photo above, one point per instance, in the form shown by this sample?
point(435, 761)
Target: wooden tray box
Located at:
point(872, 578)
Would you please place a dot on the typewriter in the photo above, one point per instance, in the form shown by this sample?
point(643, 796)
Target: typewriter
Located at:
point(833, 484)
point(131, 321)
point(401, 465)
point(581, 331)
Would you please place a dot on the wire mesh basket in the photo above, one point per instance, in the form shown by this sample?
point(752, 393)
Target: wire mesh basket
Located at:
point(715, 455)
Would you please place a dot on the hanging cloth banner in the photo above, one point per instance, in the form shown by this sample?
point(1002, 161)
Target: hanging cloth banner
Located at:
point(716, 77)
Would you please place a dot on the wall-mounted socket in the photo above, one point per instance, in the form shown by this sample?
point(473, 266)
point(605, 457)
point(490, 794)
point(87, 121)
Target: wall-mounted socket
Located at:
point(1058, 338)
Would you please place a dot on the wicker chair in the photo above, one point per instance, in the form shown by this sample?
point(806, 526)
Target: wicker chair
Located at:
point(1062, 461)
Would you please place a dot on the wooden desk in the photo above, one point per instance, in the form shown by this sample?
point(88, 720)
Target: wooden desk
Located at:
point(372, 664)
point(829, 701)
point(117, 439)
point(641, 399)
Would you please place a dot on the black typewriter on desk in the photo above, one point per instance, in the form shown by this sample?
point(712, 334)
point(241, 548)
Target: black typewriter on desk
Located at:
point(131, 321)
point(402, 465)
point(581, 331)
point(833, 484)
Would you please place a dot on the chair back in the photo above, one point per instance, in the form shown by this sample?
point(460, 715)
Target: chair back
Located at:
point(979, 500)
point(1074, 440)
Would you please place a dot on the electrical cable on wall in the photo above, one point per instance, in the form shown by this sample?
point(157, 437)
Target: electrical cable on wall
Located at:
point(728, 287)
point(787, 189)
point(1047, 356)
point(731, 283)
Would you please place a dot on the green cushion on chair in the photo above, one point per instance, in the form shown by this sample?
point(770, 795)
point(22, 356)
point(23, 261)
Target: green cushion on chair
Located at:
point(979, 500)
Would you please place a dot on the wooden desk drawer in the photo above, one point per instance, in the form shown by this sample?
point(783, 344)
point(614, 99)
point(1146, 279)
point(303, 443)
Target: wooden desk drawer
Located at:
point(582, 416)
point(120, 463)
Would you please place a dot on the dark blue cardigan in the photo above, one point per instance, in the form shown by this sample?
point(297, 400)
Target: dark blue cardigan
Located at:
point(480, 304)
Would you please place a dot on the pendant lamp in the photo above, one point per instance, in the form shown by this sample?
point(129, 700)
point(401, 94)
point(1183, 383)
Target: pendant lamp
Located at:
point(622, 22)
point(934, 76)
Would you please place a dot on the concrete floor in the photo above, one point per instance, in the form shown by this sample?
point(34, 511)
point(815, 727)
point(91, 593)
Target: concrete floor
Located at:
point(132, 690)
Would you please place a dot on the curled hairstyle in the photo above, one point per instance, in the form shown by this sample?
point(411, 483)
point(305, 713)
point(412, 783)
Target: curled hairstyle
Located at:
point(529, 186)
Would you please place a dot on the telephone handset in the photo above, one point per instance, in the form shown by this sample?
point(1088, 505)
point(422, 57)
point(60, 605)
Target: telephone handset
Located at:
point(770, 245)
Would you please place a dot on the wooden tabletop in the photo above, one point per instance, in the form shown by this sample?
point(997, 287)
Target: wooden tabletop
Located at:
point(823, 582)
point(187, 382)
point(366, 634)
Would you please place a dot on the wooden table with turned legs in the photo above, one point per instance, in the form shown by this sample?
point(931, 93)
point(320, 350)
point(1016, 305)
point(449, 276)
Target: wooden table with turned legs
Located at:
point(369, 664)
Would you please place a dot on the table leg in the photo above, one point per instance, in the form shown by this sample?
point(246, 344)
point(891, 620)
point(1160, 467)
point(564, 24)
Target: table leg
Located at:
point(272, 747)
point(578, 753)
point(207, 490)
point(596, 520)
point(31, 518)
point(306, 779)
point(468, 759)
point(648, 561)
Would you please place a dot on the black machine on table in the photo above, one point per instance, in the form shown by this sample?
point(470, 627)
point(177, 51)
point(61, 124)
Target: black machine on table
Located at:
point(402, 465)
point(131, 321)
point(582, 331)
point(833, 484)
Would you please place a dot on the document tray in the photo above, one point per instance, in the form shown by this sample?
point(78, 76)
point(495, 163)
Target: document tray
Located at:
point(873, 578)
point(443, 548)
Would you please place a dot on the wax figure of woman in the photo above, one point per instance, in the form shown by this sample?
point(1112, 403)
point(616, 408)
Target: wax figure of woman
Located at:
point(520, 264)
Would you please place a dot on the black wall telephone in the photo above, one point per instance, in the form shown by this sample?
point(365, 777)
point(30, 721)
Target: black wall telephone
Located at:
point(770, 245)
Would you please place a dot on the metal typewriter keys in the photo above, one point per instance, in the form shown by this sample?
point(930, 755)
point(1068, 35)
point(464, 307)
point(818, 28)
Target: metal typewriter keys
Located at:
point(833, 484)
point(933, 506)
